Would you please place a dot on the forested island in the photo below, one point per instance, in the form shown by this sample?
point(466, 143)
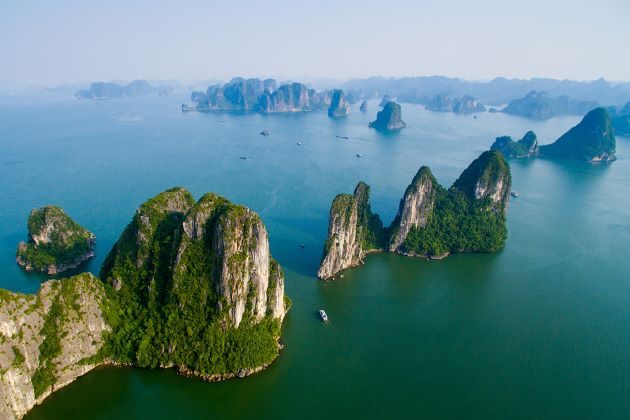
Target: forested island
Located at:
point(431, 222)
point(55, 244)
point(592, 139)
point(265, 96)
point(189, 285)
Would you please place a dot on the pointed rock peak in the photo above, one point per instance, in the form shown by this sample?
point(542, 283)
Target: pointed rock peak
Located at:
point(415, 207)
point(487, 176)
point(389, 118)
point(592, 139)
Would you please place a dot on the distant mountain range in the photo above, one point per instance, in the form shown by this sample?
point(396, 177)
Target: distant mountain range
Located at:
point(496, 92)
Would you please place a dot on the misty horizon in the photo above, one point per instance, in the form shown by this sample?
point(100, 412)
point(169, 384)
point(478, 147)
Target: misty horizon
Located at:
point(81, 43)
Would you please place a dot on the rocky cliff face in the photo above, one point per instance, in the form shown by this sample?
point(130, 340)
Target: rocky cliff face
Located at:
point(487, 177)
point(339, 106)
point(524, 148)
point(56, 242)
point(49, 339)
point(204, 274)
point(352, 231)
point(242, 276)
point(259, 96)
point(415, 207)
point(591, 140)
point(432, 222)
point(288, 98)
point(389, 118)
point(468, 105)
point(364, 106)
point(464, 105)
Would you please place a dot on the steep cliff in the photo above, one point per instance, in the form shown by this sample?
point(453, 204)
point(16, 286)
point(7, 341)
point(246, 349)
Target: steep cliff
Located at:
point(591, 140)
point(524, 148)
point(468, 105)
point(389, 118)
point(464, 105)
point(294, 97)
point(431, 222)
point(49, 339)
point(415, 207)
point(353, 230)
point(468, 217)
point(56, 242)
point(339, 106)
point(364, 106)
point(197, 281)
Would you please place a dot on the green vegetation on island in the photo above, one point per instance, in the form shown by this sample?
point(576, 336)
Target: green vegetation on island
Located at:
point(592, 139)
point(56, 242)
point(189, 285)
point(432, 221)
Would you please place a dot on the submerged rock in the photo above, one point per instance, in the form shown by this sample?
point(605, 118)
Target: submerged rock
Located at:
point(592, 140)
point(56, 242)
point(339, 106)
point(524, 148)
point(389, 118)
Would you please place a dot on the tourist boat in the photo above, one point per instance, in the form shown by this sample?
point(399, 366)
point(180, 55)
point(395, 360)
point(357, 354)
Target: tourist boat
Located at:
point(359, 155)
point(514, 194)
point(298, 143)
point(323, 315)
point(243, 157)
point(265, 133)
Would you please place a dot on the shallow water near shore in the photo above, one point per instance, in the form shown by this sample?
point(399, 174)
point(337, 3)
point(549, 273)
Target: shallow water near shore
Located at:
point(539, 329)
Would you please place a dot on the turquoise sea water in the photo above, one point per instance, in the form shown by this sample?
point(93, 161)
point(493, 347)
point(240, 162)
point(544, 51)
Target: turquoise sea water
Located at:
point(538, 330)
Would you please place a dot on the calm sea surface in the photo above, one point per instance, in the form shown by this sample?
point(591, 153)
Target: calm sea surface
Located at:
point(538, 330)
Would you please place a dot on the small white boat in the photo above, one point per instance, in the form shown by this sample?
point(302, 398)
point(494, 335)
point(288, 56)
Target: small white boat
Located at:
point(298, 143)
point(323, 315)
point(359, 155)
point(265, 133)
point(514, 194)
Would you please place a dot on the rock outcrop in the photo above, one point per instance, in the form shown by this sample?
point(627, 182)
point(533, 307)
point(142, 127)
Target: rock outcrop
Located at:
point(488, 181)
point(353, 230)
point(389, 118)
point(432, 222)
point(193, 287)
point(415, 207)
point(591, 140)
point(203, 273)
point(539, 106)
point(105, 90)
point(386, 99)
point(56, 242)
point(364, 106)
point(464, 105)
point(255, 95)
point(339, 106)
point(524, 148)
point(49, 339)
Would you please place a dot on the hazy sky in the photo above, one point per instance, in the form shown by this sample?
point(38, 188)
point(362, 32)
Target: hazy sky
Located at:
point(60, 41)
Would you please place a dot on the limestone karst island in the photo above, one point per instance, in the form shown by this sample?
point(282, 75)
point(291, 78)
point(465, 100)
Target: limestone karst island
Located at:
point(314, 210)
